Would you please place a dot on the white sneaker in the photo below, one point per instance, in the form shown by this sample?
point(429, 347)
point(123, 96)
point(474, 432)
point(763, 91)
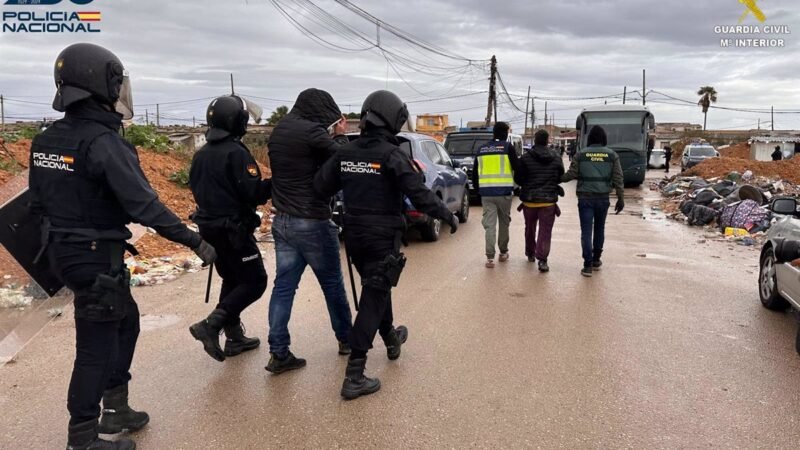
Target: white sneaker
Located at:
point(490, 264)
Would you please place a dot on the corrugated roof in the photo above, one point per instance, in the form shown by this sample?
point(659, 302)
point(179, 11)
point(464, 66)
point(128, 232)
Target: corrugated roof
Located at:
point(791, 139)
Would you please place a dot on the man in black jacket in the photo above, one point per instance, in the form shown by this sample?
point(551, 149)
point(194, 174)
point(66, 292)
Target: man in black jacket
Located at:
point(303, 231)
point(777, 155)
point(538, 174)
point(227, 186)
point(375, 175)
point(86, 182)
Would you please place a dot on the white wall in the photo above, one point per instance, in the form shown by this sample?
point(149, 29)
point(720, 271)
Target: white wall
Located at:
point(762, 151)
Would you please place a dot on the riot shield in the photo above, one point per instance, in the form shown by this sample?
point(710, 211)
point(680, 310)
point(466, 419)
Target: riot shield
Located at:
point(21, 235)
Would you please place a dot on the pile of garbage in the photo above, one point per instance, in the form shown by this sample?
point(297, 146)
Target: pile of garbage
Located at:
point(149, 272)
point(737, 204)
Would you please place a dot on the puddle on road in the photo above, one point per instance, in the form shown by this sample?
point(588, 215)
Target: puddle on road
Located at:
point(150, 322)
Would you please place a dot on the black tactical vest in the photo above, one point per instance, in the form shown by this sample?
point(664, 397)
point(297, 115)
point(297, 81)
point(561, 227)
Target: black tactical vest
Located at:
point(70, 195)
point(366, 188)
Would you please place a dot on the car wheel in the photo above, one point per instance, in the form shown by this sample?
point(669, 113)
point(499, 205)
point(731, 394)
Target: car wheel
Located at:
point(430, 231)
point(463, 213)
point(768, 283)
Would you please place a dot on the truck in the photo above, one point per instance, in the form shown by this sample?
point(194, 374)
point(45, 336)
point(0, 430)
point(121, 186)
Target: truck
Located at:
point(628, 128)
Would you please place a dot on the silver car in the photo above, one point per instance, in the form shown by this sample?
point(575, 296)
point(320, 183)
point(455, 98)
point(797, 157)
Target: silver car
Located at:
point(779, 280)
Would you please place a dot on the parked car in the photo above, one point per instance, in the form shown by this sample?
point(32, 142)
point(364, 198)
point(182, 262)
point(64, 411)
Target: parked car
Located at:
point(442, 176)
point(463, 145)
point(778, 279)
point(694, 154)
point(658, 159)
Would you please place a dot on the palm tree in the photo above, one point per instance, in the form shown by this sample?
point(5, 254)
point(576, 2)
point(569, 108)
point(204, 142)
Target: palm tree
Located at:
point(708, 95)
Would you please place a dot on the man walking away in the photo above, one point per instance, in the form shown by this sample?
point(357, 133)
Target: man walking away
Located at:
point(538, 174)
point(227, 186)
point(777, 155)
point(493, 176)
point(303, 231)
point(598, 171)
point(667, 157)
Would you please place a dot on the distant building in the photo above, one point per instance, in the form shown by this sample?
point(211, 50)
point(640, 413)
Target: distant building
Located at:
point(678, 127)
point(663, 140)
point(761, 147)
point(432, 123)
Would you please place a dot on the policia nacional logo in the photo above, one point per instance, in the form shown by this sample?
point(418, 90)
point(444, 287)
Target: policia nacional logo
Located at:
point(53, 162)
point(360, 167)
point(49, 20)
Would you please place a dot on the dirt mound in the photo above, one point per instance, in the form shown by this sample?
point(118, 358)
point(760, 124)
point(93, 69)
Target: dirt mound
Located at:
point(739, 151)
point(13, 158)
point(788, 170)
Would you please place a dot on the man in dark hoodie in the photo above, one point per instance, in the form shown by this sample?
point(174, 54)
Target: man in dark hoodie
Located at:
point(303, 231)
point(598, 171)
point(538, 174)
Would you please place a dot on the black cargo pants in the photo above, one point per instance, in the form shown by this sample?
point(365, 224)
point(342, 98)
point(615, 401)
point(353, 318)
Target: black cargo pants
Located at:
point(368, 248)
point(105, 340)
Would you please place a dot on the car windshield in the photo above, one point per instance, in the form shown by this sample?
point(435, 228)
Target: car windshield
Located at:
point(465, 145)
point(702, 151)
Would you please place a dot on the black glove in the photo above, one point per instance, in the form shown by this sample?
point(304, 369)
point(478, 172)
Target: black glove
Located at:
point(205, 252)
point(453, 222)
point(620, 206)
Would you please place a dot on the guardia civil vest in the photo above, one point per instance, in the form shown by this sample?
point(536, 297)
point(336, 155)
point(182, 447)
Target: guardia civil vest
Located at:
point(596, 166)
point(495, 174)
point(71, 194)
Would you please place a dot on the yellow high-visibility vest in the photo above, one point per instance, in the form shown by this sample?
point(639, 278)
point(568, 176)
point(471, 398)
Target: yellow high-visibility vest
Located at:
point(494, 171)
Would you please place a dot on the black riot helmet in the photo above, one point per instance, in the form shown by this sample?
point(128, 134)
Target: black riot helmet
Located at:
point(226, 116)
point(384, 109)
point(89, 71)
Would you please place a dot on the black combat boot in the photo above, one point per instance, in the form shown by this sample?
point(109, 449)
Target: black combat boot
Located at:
point(355, 383)
point(117, 415)
point(236, 342)
point(83, 436)
point(289, 362)
point(394, 340)
point(207, 332)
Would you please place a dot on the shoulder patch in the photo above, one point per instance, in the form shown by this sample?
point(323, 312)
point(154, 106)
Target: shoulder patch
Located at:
point(252, 169)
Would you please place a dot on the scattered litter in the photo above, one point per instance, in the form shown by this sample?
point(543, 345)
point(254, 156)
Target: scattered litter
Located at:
point(55, 312)
point(14, 298)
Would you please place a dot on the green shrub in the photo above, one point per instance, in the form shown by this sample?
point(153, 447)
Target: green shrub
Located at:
point(181, 177)
point(28, 132)
point(146, 136)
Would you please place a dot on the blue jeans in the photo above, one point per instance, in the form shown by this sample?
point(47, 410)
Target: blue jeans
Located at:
point(593, 212)
point(300, 242)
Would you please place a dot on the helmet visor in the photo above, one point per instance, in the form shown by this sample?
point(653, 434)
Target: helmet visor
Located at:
point(124, 104)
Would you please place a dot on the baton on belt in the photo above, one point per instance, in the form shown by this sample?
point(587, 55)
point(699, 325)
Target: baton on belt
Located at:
point(208, 286)
point(352, 278)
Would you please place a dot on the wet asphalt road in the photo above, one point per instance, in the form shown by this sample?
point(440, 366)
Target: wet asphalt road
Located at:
point(670, 350)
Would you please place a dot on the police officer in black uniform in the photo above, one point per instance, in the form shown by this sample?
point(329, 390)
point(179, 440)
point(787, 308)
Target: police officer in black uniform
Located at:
point(86, 182)
point(374, 175)
point(227, 186)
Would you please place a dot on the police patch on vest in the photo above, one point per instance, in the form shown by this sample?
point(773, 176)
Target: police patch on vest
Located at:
point(53, 161)
point(252, 169)
point(597, 157)
point(362, 167)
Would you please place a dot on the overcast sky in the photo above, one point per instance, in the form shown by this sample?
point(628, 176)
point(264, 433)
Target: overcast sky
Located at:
point(180, 50)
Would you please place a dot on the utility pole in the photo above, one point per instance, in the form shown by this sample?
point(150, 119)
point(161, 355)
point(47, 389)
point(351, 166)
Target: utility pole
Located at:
point(158, 116)
point(772, 119)
point(545, 115)
point(759, 123)
point(146, 117)
point(527, 105)
point(492, 93)
point(2, 113)
point(232, 91)
point(193, 124)
point(644, 87)
point(624, 94)
point(533, 113)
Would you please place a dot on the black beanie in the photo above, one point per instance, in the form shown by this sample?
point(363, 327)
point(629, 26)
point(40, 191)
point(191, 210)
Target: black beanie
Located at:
point(500, 131)
point(597, 135)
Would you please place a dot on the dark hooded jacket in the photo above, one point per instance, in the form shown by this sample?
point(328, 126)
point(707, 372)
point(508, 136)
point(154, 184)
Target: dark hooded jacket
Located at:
point(298, 147)
point(538, 174)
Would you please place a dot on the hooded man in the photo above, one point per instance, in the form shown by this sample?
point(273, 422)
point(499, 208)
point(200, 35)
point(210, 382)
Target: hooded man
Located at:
point(303, 231)
point(777, 155)
point(538, 174)
point(598, 171)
